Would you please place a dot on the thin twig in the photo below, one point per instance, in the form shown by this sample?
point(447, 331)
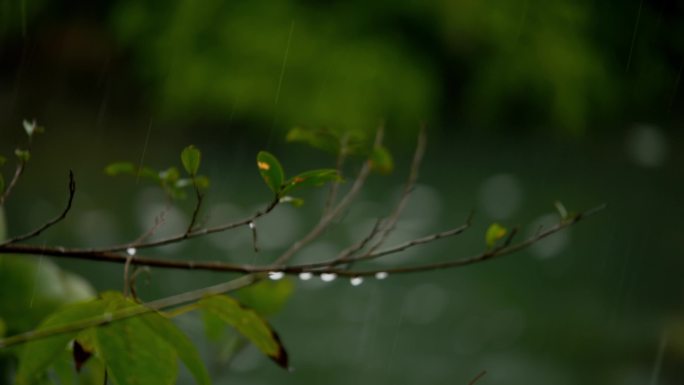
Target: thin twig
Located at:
point(390, 223)
point(18, 171)
point(193, 234)
point(159, 220)
point(255, 236)
point(349, 251)
point(335, 186)
point(198, 204)
point(477, 378)
point(54, 221)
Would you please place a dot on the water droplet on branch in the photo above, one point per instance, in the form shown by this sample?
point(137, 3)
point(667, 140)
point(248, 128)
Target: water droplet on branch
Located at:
point(131, 251)
point(381, 275)
point(305, 276)
point(276, 275)
point(356, 281)
point(328, 277)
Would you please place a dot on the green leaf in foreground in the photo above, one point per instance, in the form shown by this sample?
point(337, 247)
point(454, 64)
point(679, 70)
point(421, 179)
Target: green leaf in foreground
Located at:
point(191, 157)
point(494, 233)
point(313, 178)
point(185, 349)
point(134, 354)
point(271, 170)
point(37, 356)
point(248, 323)
point(145, 348)
point(381, 160)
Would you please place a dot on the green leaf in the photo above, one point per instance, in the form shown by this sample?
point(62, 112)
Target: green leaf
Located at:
point(311, 178)
point(381, 160)
point(248, 323)
point(133, 352)
point(494, 233)
point(3, 160)
point(323, 139)
point(185, 349)
point(266, 297)
point(271, 170)
point(23, 155)
point(190, 157)
point(36, 356)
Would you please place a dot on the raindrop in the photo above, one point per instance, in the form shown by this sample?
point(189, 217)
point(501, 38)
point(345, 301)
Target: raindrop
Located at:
point(381, 275)
point(251, 225)
point(356, 281)
point(328, 277)
point(131, 251)
point(276, 275)
point(305, 276)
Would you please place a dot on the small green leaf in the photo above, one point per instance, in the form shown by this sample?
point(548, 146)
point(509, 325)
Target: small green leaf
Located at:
point(36, 356)
point(23, 155)
point(494, 233)
point(381, 160)
point(32, 128)
point(311, 178)
point(561, 210)
point(248, 323)
point(296, 202)
point(2, 160)
point(266, 297)
point(190, 157)
point(271, 170)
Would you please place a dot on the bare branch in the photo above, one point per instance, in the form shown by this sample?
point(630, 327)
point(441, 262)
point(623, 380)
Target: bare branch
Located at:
point(18, 171)
point(390, 223)
point(316, 268)
point(477, 378)
point(54, 221)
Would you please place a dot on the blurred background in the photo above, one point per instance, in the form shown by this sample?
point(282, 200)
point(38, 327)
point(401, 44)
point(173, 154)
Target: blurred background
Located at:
point(527, 102)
